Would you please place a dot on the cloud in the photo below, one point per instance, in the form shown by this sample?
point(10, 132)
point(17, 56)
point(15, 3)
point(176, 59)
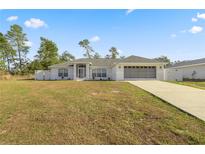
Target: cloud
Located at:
point(201, 16)
point(196, 29)
point(95, 39)
point(119, 51)
point(194, 19)
point(183, 31)
point(12, 18)
point(130, 11)
point(28, 43)
point(35, 23)
point(173, 35)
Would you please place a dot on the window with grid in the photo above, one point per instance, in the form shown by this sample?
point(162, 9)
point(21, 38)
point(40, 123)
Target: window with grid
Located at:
point(60, 72)
point(104, 73)
point(63, 72)
point(99, 72)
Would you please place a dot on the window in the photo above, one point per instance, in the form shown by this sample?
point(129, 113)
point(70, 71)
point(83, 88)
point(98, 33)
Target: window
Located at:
point(60, 72)
point(94, 73)
point(104, 73)
point(99, 72)
point(63, 72)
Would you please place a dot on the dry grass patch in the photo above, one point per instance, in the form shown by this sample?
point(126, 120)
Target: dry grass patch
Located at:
point(69, 112)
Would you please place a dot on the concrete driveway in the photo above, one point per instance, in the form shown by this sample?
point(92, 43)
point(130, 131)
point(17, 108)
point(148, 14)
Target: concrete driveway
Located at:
point(191, 100)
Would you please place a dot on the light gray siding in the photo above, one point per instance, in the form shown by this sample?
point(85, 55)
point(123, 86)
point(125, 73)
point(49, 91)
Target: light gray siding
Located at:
point(186, 72)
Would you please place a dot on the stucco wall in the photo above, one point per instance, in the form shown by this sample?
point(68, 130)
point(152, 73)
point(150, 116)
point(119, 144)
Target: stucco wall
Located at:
point(173, 74)
point(52, 74)
point(108, 69)
point(114, 73)
point(42, 75)
point(160, 72)
point(199, 72)
point(119, 72)
point(185, 72)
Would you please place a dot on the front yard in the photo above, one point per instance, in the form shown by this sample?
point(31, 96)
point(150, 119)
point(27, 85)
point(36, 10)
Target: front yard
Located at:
point(106, 112)
point(195, 84)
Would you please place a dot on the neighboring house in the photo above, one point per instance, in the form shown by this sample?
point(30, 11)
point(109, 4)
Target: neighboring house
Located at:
point(192, 69)
point(130, 68)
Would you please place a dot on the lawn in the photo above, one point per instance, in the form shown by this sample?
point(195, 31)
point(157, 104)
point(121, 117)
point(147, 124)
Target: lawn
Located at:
point(106, 112)
point(195, 84)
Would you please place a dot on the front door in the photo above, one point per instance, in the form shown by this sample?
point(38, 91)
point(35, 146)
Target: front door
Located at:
point(81, 72)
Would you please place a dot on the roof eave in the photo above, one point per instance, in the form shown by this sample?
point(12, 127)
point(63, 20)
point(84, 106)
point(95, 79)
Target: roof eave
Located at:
point(81, 63)
point(142, 63)
point(187, 65)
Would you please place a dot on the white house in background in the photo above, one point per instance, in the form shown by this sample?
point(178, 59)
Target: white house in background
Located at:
point(192, 69)
point(130, 68)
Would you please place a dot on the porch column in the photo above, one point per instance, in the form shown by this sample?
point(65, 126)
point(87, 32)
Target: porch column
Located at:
point(74, 71)
point(87, 71)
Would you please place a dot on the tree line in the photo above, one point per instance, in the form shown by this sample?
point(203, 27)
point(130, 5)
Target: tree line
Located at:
point(14, 50)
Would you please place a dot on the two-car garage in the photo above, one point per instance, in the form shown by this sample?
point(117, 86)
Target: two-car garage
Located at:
point(140, 72)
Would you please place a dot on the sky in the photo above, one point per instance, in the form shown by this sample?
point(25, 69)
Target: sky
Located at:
point(178, 34)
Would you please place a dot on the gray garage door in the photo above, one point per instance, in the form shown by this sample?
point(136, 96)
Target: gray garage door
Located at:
point(139, 72)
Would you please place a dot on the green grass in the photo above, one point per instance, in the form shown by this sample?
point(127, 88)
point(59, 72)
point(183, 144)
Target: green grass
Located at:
point(69, 112)
point(195, 84)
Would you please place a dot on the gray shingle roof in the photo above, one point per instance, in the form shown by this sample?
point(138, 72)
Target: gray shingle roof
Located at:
point(98, 62)
point(137, 59)
point(59, 65)
point(109, 62)
point(189, 62)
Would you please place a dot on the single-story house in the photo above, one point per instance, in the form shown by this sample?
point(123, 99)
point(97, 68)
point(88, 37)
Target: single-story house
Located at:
point(192, 69)
point(130, 68)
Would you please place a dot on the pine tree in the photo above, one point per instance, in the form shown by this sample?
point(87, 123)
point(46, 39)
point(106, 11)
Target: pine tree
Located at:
point(47, 53)
point(17, 38)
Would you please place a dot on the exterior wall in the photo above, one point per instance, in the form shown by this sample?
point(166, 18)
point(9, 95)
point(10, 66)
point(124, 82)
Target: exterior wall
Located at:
point(74, 72)
point(108, 71)
point(87, 71)
point(191, 72)
point(42, 75)
point(194, 72)
point(54, 74)
point(119, 72)
point(160, 72)
point(173, 74)
point(114, 73)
